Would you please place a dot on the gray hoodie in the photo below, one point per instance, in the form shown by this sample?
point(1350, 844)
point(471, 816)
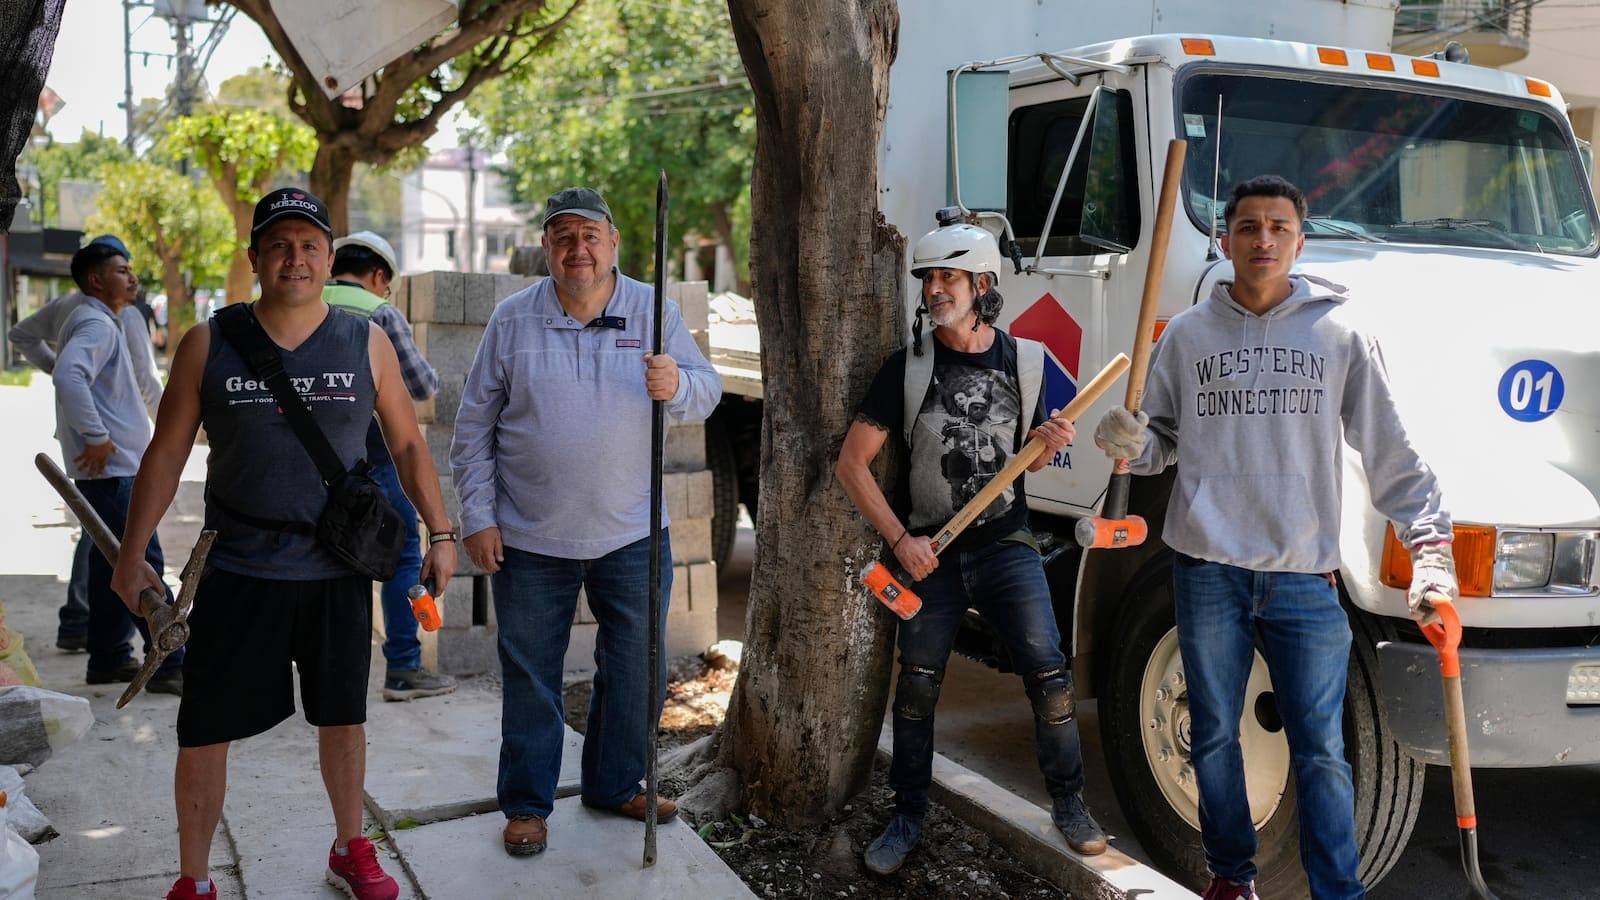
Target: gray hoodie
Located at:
point(1261, 403)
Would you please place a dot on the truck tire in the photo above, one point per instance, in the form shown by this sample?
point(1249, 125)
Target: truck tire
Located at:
point(1145, 734)
point(724, 491)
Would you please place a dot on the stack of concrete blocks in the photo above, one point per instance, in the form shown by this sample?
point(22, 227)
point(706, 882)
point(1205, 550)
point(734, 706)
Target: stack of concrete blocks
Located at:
point(448, 312)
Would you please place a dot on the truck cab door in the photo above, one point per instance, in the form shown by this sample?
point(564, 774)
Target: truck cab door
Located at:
point(1083, 239)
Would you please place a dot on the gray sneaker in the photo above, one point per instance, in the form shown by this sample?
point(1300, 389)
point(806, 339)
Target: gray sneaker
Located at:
point(888, 852)
point(1083, 834)
point(409, 684)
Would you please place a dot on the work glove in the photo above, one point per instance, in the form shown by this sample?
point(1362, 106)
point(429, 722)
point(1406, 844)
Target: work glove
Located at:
point(1121, 433)
point(1433, 571)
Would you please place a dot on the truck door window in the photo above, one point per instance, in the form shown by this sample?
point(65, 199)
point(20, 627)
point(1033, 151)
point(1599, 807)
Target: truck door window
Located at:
point(1099, 210)
point(1393, 164)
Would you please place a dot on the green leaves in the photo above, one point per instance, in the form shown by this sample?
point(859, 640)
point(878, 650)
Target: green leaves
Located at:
point(243, 150)
point(632, 87)
point(165, 219)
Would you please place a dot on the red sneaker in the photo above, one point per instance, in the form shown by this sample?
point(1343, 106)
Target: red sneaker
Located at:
point(1223, 889)
point(358, 874)
point(183, 889)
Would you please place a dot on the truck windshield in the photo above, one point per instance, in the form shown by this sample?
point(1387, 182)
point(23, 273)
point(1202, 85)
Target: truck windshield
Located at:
point(1393, 165)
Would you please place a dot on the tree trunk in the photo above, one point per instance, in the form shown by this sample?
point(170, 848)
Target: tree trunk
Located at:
point(331, 174)
point(177, 299)
point(240, 276)
point(826, 273)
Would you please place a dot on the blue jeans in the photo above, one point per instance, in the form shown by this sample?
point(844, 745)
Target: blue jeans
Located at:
point(1305, 637)
point(111, 626)
point(1005, 582)
point(401, 649)
point(535, 600)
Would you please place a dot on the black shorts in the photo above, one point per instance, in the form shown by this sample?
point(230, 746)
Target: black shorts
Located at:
point(245, 633)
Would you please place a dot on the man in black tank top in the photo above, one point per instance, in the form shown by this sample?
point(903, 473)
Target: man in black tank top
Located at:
point(273, 600)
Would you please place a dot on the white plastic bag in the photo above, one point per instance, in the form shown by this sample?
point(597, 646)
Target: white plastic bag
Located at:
point(24, 817)
point(19, 863)
point(35, 723)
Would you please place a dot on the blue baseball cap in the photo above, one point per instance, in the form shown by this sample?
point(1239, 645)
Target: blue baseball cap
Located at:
point(115, 243)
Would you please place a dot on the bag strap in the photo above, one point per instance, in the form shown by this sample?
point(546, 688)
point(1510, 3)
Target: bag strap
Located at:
point(914, 389)
point(241, 329)
point(1030, 378)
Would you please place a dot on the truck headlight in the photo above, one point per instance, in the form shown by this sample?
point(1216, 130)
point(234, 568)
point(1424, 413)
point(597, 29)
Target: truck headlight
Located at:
point(1554, 561)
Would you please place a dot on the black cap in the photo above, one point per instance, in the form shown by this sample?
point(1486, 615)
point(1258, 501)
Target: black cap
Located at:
point(286, 202)
point(578, 201)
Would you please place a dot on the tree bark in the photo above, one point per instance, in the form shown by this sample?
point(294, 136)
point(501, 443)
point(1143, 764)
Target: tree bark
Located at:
point(331, 174)
point(826, 273)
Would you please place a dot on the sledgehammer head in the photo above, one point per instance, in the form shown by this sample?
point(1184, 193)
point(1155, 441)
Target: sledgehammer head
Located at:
point(1095, 533)
point(889, 590)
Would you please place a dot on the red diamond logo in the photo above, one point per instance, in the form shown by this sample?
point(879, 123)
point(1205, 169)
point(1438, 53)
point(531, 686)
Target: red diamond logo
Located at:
point(1046, 322)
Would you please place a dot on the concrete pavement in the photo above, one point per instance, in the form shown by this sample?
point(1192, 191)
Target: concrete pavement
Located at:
point(430, 764)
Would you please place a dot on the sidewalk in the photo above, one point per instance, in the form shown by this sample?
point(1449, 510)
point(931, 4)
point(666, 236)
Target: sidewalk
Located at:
point(430, 763)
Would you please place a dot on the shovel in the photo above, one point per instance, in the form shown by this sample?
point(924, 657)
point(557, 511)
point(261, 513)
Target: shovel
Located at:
point(1445, 636)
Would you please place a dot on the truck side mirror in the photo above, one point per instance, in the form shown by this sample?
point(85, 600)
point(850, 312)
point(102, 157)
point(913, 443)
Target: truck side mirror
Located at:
point(975, 151)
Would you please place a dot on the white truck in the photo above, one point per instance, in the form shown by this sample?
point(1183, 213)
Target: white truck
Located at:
point(1455, 203)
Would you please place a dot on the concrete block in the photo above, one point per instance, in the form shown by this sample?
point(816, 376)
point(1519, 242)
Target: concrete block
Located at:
point(439, 438)
point(506, 285)
point(479, 297)
point(448, 401)
point(690, 628)
point(702, 339)
point(425, 410)
point(702, 586)
point(691, 540)
point(468, 651)
point(419, 336)
point(691, 297)
point(400, 296)
point(686, 447)
point(437, 297)
point(451, 347)
point(699, 487)
point(580, 649)
point(688, 495)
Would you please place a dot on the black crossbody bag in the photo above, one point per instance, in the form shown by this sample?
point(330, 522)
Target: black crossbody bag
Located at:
point(358, 525)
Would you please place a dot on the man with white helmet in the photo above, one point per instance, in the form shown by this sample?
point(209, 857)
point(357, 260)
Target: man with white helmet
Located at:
point(363, 267)
point(963, 408)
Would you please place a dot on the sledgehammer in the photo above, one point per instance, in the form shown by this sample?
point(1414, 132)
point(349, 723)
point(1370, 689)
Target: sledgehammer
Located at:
point(169, 625)
point(890, 587)
point(1114, 527)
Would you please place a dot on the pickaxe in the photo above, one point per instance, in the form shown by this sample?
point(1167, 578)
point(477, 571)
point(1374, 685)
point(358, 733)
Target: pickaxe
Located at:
point(890, 587)
point(169, 625)
point(1114, 527)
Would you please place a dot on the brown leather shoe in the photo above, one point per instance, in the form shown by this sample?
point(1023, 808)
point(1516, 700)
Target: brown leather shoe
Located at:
point(635, 808)
point(524, 836)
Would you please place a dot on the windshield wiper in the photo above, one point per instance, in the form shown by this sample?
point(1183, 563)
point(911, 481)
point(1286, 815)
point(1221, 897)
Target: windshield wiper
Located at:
point(1481, 226)
point(1323, 222)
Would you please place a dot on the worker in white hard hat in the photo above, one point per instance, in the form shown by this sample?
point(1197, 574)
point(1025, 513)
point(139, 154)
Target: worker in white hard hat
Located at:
point(363, 268)
point(962, 411)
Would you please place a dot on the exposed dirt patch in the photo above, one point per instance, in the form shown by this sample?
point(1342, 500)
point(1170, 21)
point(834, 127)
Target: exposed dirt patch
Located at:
point(951, 860)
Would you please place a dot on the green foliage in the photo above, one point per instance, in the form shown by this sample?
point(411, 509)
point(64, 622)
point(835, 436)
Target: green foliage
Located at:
point(633, 87)
point(259, 87)
point(167, 221)
point(244, 150)
point(16, 377)
point(58, 160)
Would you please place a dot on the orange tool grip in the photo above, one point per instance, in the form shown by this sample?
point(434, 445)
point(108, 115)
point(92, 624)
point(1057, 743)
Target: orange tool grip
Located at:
point(889, 591)
point(424, 608)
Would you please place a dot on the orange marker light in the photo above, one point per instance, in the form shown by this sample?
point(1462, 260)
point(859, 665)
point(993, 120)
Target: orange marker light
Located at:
point(1473, 549)
point(1199, 47)
point(1425, 67)
point(1380, 63)
point(1333, 56)
point(1538, 88)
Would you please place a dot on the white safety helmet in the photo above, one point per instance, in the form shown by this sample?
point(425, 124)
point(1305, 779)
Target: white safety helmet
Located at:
point(965, 247)
point(371, 241)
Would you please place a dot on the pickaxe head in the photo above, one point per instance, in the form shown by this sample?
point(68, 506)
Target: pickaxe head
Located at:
point(890, 590)
point(1096, 533)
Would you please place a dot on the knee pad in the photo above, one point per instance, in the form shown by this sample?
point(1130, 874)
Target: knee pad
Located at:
point(917, 692)
point(1050, 691)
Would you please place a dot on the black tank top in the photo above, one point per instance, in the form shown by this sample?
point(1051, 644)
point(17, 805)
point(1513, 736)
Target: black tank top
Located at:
point(258, 466)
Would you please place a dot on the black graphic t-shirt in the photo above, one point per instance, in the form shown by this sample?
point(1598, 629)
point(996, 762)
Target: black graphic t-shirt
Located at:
point(966, 431)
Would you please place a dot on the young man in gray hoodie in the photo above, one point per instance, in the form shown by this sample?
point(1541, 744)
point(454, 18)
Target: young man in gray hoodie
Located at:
point(1265, 380)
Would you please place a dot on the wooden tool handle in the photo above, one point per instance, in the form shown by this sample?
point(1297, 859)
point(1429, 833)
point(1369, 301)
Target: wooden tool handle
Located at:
point(1087, 395)
point(1150, 301)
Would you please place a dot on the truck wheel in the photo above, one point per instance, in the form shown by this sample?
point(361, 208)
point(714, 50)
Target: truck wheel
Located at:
point(724, 491)
point(1145, 730)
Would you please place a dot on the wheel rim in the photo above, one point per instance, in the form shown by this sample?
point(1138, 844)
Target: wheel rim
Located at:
point(1164, 714)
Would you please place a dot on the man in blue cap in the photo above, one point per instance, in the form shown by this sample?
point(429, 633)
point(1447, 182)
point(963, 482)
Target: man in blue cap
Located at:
point(36, 338)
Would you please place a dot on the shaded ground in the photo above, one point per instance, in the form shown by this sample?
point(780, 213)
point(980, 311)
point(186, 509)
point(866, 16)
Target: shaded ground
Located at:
point(952, 859)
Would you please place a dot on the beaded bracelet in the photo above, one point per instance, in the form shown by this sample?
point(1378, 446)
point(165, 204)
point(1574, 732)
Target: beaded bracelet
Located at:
point(440, 536)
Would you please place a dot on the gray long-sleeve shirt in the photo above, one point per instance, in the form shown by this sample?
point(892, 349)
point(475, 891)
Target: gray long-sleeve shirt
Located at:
point(552, 441)
point(96, 394)
point(37, 335)
point(1264, 405)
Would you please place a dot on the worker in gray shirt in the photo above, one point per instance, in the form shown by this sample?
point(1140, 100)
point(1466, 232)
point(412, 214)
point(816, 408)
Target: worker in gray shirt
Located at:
point(37, 338)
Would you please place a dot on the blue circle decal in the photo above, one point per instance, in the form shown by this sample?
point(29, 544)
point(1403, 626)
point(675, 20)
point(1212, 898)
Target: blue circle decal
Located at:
point(1531, 390)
